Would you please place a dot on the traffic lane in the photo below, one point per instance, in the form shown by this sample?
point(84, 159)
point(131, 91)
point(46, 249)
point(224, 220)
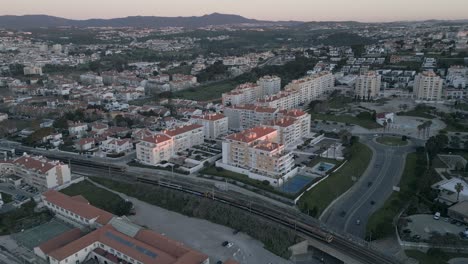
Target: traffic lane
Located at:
point(338, 217)
point(380, 195)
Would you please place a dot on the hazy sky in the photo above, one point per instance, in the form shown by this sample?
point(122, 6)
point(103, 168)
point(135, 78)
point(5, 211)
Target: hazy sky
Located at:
point(306, 10)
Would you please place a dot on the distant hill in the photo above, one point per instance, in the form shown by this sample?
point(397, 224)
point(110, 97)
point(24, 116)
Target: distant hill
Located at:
point(36, 21)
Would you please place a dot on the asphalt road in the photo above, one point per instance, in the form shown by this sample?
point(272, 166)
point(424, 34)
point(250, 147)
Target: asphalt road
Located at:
point(371, 190)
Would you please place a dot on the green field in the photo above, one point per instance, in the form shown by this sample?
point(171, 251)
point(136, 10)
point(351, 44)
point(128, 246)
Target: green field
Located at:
point(98, 197)
point(391, 141)
point(369, 124)
point(206, 92)
point(337, 183)
point(381, 222)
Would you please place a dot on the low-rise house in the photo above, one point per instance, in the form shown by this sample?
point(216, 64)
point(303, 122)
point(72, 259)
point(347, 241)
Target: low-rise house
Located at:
point(116, 145)
point(77, 129)
point(85, 144)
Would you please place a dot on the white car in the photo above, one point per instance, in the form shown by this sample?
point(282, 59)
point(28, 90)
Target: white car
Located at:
point(230, 244)
point(437, 216)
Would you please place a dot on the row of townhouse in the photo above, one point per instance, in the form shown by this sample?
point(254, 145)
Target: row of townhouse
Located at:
point(37, 171)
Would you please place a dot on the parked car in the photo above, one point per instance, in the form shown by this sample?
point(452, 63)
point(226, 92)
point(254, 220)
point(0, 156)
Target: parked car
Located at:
point(225, 243)
point(437, 216)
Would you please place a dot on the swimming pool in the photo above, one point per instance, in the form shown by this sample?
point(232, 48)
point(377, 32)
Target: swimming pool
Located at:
point(323, 167)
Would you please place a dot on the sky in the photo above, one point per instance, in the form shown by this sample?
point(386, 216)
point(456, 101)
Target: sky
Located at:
point(302, 10)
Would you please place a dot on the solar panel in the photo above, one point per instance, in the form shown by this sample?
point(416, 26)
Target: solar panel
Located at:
point(131, 245)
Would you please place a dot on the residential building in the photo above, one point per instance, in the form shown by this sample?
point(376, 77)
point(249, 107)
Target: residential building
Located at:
point(269, 85)
point(367, 85)
point(3, 117)
point(428, 86)
point(38, 171)
point(243, 94)
point(214, 125)
point(185, 137)
point(312, 87)
point(241, 117)
point(85, 144)
point(459, 212)
point(77, 128)
point(282, 100)
point(154, 149)
point(116, 145)
point(256, 153)
point(111, 239)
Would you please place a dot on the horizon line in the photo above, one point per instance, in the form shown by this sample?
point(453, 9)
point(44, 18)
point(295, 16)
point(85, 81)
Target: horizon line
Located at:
point(260, 20)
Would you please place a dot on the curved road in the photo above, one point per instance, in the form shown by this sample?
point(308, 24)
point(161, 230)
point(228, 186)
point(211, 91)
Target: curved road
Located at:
point(372, 189)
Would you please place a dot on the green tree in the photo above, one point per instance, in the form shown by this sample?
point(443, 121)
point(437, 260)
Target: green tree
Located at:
point(459, 189)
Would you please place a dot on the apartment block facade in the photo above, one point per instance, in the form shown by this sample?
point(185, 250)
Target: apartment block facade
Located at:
point(214, 125)
point(368, 85)
point(269, 85)
point(257, 153)
point(241, 117)
point(428, 86)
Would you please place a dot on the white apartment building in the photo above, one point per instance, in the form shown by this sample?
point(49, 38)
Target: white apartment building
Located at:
point(428, 86)
point(312, 87)
point(368, 85)
point(292, 125)
point(38, 171)
point(243, 94)
point(457, 76)
point(241, 117)
point(282, 100)
point(214, 125)
point(269, 85)
point(256, 153)
point(185, 137)
point(154, 149)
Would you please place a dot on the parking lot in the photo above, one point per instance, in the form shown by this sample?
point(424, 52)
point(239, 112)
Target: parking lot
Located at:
point(423, 225)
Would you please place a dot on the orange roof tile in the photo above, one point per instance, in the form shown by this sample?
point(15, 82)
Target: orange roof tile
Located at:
point(180, 130)
point(252, 134)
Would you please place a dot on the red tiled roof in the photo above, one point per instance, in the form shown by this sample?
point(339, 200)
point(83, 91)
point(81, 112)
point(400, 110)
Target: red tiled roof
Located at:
point(156, 139)
point(167, 251)
point(267, 146)
point(252, 134)
point(36, 163)
point(293, 112)
point(212, 117)
point(283, 122)
point(180, 130)
point(60, 240)
point(80, 208)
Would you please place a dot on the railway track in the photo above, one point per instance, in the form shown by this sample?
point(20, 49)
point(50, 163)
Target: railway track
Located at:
point(294, 221)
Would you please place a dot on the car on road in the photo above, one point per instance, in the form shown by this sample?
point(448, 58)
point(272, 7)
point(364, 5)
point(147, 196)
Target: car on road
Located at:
point(437, 216)
point(230, 244)
point(358, 222)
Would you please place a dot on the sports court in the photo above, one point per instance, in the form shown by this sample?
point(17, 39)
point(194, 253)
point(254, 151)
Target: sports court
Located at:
point(295, 184)
point(35, 236)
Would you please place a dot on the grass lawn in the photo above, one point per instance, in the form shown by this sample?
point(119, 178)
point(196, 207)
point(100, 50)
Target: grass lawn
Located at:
point(206, 92)
point(339, 182)
point(391, 141)
point(6, 197)
point(433, 258)
point(380, 223)
point(417, 113)
point(369, 124)
point(241, 178)
point(340, 102)
point(98, 197)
